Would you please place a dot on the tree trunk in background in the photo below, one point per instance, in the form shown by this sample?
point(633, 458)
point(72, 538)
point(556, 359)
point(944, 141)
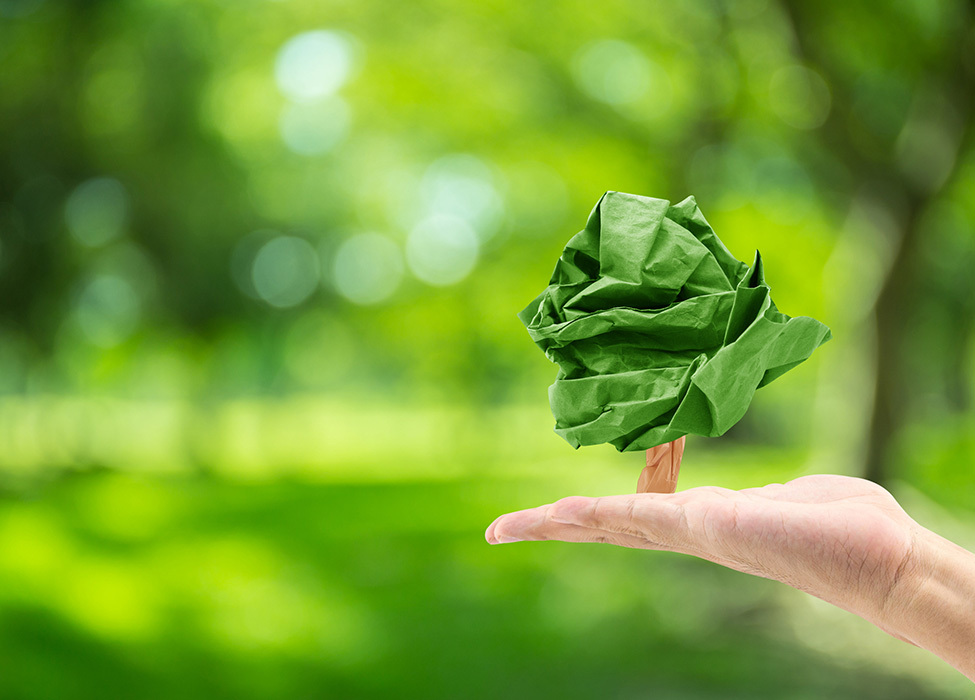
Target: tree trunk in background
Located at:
point(892, 392)
point(905, 201)
point(958, 390)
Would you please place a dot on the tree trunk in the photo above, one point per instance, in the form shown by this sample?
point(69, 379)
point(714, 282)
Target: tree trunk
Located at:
point(906, 201)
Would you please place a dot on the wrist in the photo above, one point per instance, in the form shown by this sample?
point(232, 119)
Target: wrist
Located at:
point(933, 604)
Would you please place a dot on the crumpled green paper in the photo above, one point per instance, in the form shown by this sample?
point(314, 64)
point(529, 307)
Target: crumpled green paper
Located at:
point(657, 329)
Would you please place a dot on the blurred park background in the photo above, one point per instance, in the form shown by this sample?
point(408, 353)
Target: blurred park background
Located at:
point(262, 386)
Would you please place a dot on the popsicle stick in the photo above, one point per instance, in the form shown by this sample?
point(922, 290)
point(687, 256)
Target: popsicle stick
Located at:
point(663, 466)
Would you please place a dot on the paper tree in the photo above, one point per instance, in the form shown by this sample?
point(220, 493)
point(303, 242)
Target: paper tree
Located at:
point(658, 332)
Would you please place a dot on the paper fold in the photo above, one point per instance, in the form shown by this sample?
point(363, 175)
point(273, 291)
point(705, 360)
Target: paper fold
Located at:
point(658, 330)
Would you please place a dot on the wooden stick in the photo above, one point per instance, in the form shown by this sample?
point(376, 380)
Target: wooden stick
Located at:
point(663, 466)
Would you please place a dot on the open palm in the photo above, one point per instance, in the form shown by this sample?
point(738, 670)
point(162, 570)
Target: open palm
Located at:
point(842, 539)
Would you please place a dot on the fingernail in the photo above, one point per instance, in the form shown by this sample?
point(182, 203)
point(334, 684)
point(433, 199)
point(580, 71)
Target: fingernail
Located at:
point(505, 539)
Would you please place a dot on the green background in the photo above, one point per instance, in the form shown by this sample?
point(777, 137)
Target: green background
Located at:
point(262, 385)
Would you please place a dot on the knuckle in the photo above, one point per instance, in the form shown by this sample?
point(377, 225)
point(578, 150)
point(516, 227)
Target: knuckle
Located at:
point(630, 509)
point(592, 512)
point(678, 530)
point(567, 508)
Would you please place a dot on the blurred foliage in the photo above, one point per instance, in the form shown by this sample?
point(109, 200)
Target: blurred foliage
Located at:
point(261, 380)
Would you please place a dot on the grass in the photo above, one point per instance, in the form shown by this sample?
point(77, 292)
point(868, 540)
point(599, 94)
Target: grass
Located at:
point(197, 585)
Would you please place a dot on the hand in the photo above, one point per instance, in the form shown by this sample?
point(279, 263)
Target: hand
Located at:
point(841, 539)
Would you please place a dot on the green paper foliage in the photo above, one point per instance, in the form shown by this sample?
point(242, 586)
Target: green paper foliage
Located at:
point(657, 329)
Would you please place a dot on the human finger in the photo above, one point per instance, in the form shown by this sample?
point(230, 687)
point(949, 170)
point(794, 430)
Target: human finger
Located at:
point(538, 524)
point(535, 524)
point(653, 517)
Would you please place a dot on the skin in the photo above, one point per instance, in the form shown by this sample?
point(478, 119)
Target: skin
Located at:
point(841, 539)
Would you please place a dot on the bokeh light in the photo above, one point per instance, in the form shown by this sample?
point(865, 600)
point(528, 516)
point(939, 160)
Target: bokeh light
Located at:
point(926, 151)
point(114, 94)
point(242, 260)
point(442, 250)
point(313, 65)
point(463, 186)
point(263, 385)
point(721, 173)
point(107, 310)
point(316, 128)
point(285, 271)
point(96, 211)
point(130, 261)
point(613, 71)
point(799, 96)
point(368, 268)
